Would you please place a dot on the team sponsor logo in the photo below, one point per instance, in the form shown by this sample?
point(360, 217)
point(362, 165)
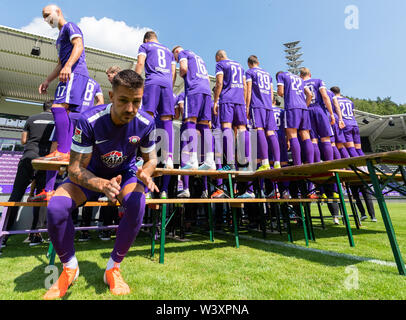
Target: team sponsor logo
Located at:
point(134, 139)
point(113, 159)
point(78, 135)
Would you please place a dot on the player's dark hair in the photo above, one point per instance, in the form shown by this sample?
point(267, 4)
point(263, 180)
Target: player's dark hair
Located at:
point(253, 59)
point(174, 49)
point(149, 35)
point(335, 90)
point(278, 73)
point(47, 105)
point(128, 78)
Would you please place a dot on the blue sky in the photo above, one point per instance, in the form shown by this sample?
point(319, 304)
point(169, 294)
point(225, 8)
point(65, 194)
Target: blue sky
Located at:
point(365, 63)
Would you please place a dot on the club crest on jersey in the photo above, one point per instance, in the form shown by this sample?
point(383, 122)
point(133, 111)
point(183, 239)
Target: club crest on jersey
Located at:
point(113, 159)
point(134, 139)
point(78, 135)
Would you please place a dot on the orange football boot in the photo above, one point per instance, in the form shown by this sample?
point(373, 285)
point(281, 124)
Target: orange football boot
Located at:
point(116, 282)
point(59, 288)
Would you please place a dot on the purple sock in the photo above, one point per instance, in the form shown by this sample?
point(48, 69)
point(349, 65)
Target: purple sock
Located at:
point(317, 157)
point(360, 152)
point(250, 187)
point(337, 154)
point(60, 226)
point(206, 139)
point(228, 143)
point(219, 181)
point(353, 153)
point(62, 129)
point(165, 183)
point(50, 180)
point(273, 143)
point(262, 145)
point(205, 186)
point(295, 149)
point(309, 150)
point(130, 224)
point(327, 151)
point(168, 127)
point(344, 153)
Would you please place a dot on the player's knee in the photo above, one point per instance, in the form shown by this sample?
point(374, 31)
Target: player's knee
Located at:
point(59, 209)
point(134, 205)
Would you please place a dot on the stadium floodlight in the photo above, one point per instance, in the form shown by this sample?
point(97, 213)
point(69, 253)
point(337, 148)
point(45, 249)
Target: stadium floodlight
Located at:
point(36, 50)
point(294, 57)
point(293, 50)
point(294, 64)
point(291, 44)
point(294, 70)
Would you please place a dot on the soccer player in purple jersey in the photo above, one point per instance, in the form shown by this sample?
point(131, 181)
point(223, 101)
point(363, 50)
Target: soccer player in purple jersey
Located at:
point(229, 101)
point(338, 139)
point(160, 73)
point(103, 158)
point(73, 76)
point(351, 130)
point(259, 99)
point(296, 98)
point(320, 122)
point(197, 107)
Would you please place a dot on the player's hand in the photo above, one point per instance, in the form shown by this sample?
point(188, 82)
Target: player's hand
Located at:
point(332, 119)
point(112, 188)
point(147, 180)
point(43, 87)
point(248, 114)
point(216, 108)
point(65, 73)
point(341, 124)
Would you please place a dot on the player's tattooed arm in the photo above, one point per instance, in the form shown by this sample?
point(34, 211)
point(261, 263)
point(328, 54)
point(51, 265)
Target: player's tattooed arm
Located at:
point(341, 123)
point(145, 173)
point(327, 103)
point(217, 91)
point(80, 175)
point(77, 50)
point(281, 91)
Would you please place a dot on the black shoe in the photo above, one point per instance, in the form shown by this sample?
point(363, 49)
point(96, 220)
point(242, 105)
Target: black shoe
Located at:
point(105, 235)
point(84, 236)
point(36, 240)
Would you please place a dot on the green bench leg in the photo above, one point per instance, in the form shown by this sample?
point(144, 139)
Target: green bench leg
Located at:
point(304, 224)
point(211, 223)
point(386, 219)
point(346, 219)
point(51, 254)
point(234, 211)
point(163, 231)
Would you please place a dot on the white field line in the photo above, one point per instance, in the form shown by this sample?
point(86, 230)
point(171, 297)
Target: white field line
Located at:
point(323, 252)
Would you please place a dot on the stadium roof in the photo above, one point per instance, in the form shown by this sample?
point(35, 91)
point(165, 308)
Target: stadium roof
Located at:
point(21, 73)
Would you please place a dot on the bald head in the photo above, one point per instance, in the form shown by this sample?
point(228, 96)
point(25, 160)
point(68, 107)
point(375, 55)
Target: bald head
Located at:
point(221, 55)
point(52, 14)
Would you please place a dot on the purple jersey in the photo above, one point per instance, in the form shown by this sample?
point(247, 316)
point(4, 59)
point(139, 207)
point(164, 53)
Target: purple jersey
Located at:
point(347, 110)
point(279, 115)
point(114, 148)
point(261, 94)
point(197, 78)
point(314, 85)
point(233, 85)
point(158, 64)
point(92, 90)
point(293, 90)
point(64, 46)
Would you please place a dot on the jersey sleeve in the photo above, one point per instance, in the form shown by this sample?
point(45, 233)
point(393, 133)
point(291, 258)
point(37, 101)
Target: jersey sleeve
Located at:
point(182, 56)
point(322, 85)
point(83, 138)
point(27, 125)
point(173, 61)
point(248, 76)
point(142, 50)
point(147, 143)
point(73, 31)
point(98, 90)
point(280, 79)
point(219, 68)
